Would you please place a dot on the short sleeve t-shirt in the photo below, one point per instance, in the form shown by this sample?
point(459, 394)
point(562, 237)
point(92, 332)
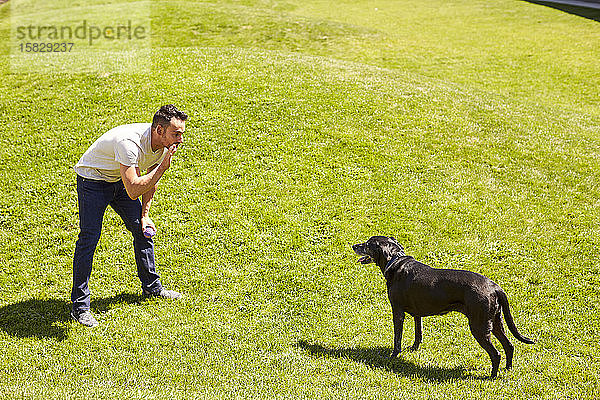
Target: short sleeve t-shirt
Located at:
point(129, 145)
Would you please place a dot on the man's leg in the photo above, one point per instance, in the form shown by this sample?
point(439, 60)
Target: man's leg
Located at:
point(131, 212)
point(93, 198)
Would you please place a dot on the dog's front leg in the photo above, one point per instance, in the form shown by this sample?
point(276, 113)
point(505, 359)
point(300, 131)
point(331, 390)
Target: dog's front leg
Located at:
point(418, 333)
point(398, 315)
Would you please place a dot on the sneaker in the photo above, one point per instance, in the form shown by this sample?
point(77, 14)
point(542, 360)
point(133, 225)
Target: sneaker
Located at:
point(164, 293)
point(84, 317)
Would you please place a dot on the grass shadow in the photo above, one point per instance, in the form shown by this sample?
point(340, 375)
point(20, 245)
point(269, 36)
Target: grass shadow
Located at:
point(592, 12)
point(378, 357)
point(46, 318)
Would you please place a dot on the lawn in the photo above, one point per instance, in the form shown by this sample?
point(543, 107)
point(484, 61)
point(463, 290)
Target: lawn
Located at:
point(467, 129)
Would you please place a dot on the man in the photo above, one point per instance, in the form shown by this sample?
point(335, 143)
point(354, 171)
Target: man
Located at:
point(110, 173)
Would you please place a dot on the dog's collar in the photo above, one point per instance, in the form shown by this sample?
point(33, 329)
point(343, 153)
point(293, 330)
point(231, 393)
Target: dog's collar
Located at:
point(394, 259)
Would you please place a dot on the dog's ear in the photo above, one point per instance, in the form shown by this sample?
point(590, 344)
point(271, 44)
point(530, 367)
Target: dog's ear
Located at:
point(393, 239)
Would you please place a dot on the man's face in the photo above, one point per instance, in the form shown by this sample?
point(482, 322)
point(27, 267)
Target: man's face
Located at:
point(173, 134)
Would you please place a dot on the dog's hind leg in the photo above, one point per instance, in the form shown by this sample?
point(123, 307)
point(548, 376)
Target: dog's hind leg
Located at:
point(418, 334)
point(498, 331)
point(483, 336)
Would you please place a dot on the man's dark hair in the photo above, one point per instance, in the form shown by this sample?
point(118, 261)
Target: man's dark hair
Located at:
point(164, 115)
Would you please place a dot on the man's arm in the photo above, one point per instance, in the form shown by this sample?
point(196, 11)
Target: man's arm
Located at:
point(146, 202)
point(137, 185)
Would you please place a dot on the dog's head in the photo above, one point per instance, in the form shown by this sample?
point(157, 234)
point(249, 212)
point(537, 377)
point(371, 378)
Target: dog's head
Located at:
point(378, 249)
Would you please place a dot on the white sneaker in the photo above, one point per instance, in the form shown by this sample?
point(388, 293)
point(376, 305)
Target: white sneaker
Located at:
point(85, 317)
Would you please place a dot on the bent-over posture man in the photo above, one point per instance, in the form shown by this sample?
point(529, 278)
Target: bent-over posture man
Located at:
point(109, 173)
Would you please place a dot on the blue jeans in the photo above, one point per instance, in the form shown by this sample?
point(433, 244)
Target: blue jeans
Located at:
point(93, 197)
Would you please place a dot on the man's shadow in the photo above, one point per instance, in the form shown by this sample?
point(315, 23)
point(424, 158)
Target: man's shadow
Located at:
point(46, 318)
point(378, 357)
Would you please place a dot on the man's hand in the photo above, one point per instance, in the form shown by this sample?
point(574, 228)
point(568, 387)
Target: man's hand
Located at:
point(146, 221)
point(166, 162)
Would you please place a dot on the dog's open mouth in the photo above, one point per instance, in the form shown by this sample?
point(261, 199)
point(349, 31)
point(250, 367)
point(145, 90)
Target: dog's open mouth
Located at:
point(365, 260)
point(359, 249)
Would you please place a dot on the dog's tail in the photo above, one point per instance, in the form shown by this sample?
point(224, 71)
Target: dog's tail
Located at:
point(509, 319)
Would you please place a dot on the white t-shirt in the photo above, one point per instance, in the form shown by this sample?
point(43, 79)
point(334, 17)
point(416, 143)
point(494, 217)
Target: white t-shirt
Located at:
point(129, 145)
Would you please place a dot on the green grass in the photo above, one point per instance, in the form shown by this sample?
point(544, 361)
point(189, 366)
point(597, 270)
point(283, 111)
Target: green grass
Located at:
point(466, 129)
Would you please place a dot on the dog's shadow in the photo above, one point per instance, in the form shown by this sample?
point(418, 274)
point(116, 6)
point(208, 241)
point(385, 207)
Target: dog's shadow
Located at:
point(46, 318)
point(378, 357)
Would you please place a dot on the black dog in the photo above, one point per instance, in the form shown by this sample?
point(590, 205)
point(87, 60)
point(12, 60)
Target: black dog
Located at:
point(420, 291)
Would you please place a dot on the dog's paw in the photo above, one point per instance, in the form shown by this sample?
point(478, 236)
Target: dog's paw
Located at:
point(394, 354)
